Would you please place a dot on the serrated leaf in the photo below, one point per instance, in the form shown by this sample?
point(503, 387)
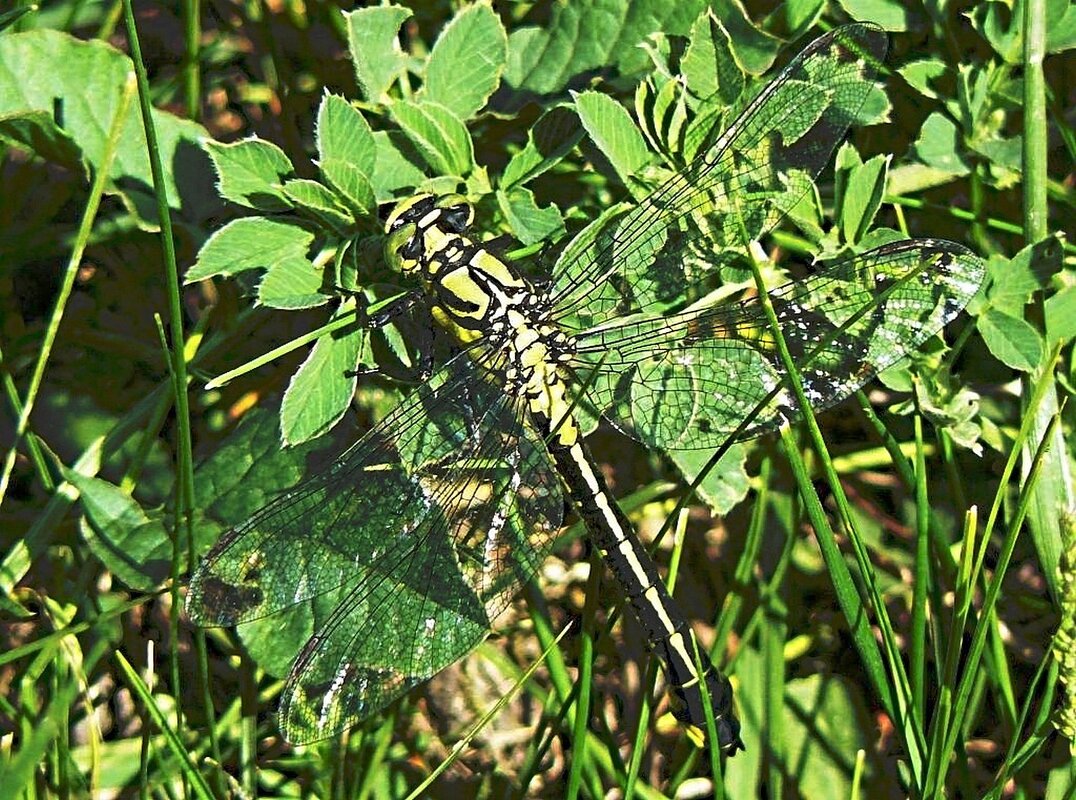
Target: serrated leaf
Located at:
point(1061, 315)
point(37, 132)
point(320, 392)
point(864, 188)
point(438, 134)
point(465, 65)
point(343, 134)
point(131, 544)
point(726, 485)
point(318, 202)
point(1012, 280)
point(614, 133)
point(938, 145)
point(351, 184)
point(395, 166)
point(708, 65)
point(891, 15)
point(292, 282)
point(529, 223)
point(576, 41)
point(922, 73)
point(77, 84)
point(753, 49)
point(249, 172)
point(375, 49)
point(551, 138)
point(1012, 340)
point(249, 243)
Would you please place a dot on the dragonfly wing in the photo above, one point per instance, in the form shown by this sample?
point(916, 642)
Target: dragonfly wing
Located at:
point(729, 195)
point(416, 538)
point(688, 380)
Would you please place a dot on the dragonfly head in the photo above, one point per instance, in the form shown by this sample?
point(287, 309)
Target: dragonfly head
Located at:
point(411, 219)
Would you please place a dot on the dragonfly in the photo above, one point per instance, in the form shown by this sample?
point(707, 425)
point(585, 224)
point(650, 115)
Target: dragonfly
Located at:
point(417, 537)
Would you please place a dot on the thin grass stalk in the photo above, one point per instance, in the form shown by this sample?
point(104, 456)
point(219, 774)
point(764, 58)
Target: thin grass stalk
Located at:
point(1055, 493)
point(192, 78)
point(971, 664)
point(922, 573)
point(585, 680)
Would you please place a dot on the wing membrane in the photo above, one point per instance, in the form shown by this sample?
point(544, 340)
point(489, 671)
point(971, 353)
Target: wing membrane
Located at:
point(416, 538)
point(732, 193)
point(688, 380)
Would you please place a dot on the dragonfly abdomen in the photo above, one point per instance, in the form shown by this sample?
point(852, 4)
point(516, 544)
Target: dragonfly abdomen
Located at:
point(667, 633)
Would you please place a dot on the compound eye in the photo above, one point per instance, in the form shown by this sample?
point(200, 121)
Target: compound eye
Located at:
point(412, 250)
point(457, 218)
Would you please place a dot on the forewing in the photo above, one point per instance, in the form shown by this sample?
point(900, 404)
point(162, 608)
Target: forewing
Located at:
point(416, 538)
point(731, 194)
point(688, 380)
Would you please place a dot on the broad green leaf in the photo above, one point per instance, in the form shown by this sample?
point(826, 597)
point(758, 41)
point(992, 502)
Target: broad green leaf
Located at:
point(708, 65)
point(343, 134)
point(922, 73)
point(132, 544)
point(292, 282)
point(863, 187)
point(529, 223)
point(77, 84)
point(726, 485)
point(753, 49)
point(438, 134)
point(375, 50)
point(614, 133)
point(465, 65)
point(551, 138)
point(892, 15)
point(321, 390)
point(577, 40)
point(249, 243)
point(250, 172)
point(393, 170)
point(1012, 280)
point(1012, 340)
point(318, 202)
point(1061, 315)
point(37, 132)
point(352, 185)
point(938, 145)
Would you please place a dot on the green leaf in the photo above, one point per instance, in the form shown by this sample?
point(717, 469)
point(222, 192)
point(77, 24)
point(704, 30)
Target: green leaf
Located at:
point(352, 186)
point(581, 38)
point(938, 145)
point(37, 132)
point(612, 130)
point(320, 392)
point(375, 50)
point(465, 65)
point(130, 543)
point(292, 282)
point(77, 84)
point(1011, 340)
point(343, 134)
point(891, 15)
point(922, 73)
point(863, 189)
point(393, 170)
point(529, 223)
point(753, 49)
point(319, 203)
point(726, 485)
point(549, 140)
point(1061, 315)
point(250, 173)
point(438, 134)
point(708, 65)
point(1012, 280)
point(249, 243)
